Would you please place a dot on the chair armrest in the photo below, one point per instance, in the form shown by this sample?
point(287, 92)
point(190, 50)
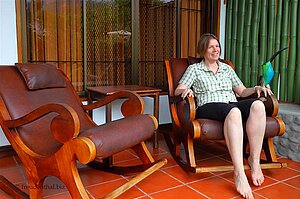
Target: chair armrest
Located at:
point(186, 109)
point(187, 115)
point(270, 102)
point(175, 99)
point(190, 109)
point(63, 127)
point(133, 105)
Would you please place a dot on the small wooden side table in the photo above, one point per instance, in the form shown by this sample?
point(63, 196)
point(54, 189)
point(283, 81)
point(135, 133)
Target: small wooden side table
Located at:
point(99, 92)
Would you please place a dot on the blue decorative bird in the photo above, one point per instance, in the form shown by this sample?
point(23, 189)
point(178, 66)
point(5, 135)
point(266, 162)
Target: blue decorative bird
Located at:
point(267, 70)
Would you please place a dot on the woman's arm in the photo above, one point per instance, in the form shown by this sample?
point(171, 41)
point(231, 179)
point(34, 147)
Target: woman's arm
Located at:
point(242, 91)
point(184, 91)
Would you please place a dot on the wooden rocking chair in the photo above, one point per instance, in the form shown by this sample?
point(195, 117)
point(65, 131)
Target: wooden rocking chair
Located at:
point(187, 130)
point(49, 128)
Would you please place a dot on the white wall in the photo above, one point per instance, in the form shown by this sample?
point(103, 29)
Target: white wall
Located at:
point(222, 27)
point(8, 37)
point(8, 41)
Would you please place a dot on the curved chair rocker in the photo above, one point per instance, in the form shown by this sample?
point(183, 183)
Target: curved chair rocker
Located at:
point(187, 130)
point(49, 128)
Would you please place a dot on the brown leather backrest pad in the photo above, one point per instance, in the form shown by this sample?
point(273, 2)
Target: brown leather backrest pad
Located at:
point(19, 100)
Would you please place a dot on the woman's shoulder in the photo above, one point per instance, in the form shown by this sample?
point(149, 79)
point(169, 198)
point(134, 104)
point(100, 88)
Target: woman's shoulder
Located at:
point(198, 65)
point(224, 65)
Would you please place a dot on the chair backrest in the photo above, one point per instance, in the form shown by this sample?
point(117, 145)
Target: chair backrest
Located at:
point(175, 69)
point(16, 100)
point(177, 66)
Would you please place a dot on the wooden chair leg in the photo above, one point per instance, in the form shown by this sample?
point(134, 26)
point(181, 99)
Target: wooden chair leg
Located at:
point(11, 189)
point(143, 153)
point(177, 140)
point(35, 187)
point(70, 177)
point(190, 152)
point(135, 180)
point(269, 150)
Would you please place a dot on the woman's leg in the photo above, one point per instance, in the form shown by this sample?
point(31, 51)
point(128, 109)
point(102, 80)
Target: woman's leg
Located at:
point(231, 116)
point(233, 132)
point(255, 128)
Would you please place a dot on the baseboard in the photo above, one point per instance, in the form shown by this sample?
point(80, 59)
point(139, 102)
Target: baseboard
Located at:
point(7, 151)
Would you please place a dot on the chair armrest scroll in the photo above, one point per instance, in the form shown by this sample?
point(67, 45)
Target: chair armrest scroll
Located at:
point(133, 105)
point(84, 148)
point(64, 126)
point(187, 110)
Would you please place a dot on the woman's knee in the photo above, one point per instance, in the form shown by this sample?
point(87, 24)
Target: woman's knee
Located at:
point(257, 107)
point(234, 115)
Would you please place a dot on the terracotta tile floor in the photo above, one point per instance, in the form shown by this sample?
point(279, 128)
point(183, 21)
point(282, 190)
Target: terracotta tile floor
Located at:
point(168, 182)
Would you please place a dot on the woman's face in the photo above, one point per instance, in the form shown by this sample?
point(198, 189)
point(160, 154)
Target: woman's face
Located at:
point(213, 51)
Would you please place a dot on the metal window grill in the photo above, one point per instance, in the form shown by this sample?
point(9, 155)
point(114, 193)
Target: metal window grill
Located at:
point(108, 42)
point(157, 36)
point(55, 33)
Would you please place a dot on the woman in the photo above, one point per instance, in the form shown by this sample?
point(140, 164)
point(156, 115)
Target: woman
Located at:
point(214, 85)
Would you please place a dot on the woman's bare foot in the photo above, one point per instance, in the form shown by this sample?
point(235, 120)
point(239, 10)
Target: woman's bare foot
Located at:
point(242, 185)
point(256, 173)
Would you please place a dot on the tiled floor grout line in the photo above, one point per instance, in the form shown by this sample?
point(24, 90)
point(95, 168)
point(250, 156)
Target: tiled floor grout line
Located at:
point(284, 181)
point(272, 184)
point(169, 167)
point(253, 192)
point(135, 186)
point(239, 194)
point(187, 184)
point(293, 169)
point(101, 183)
point(143, 197)
point(127, 160)
point(90, 194)
point(278, 158)
point(164, 190)
point(267, 186)
point(220, 176)
point(196, 191)
point(57, 194)
point(121, 177)
point(259, 195)
point(291, 186)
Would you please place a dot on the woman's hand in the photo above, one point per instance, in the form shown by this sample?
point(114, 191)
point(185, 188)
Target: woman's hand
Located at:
point(266, 90)
point(187, 92)
point(183, 91)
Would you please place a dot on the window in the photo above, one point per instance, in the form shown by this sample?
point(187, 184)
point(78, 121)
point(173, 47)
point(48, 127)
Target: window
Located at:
point(111, 42)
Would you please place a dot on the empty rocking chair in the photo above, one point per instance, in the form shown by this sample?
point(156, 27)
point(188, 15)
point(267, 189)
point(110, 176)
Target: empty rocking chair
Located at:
point(49, 128)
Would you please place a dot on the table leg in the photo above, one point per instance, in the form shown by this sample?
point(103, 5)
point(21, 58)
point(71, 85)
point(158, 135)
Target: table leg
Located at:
point(108, 117)
point(108, 114)
point(156, 114)
point(90, 101)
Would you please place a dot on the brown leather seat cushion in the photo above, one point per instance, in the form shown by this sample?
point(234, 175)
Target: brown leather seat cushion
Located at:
point(211, 129)
point(119, 135)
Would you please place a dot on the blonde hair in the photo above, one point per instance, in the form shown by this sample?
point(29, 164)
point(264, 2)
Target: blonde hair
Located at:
point(204, 42)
